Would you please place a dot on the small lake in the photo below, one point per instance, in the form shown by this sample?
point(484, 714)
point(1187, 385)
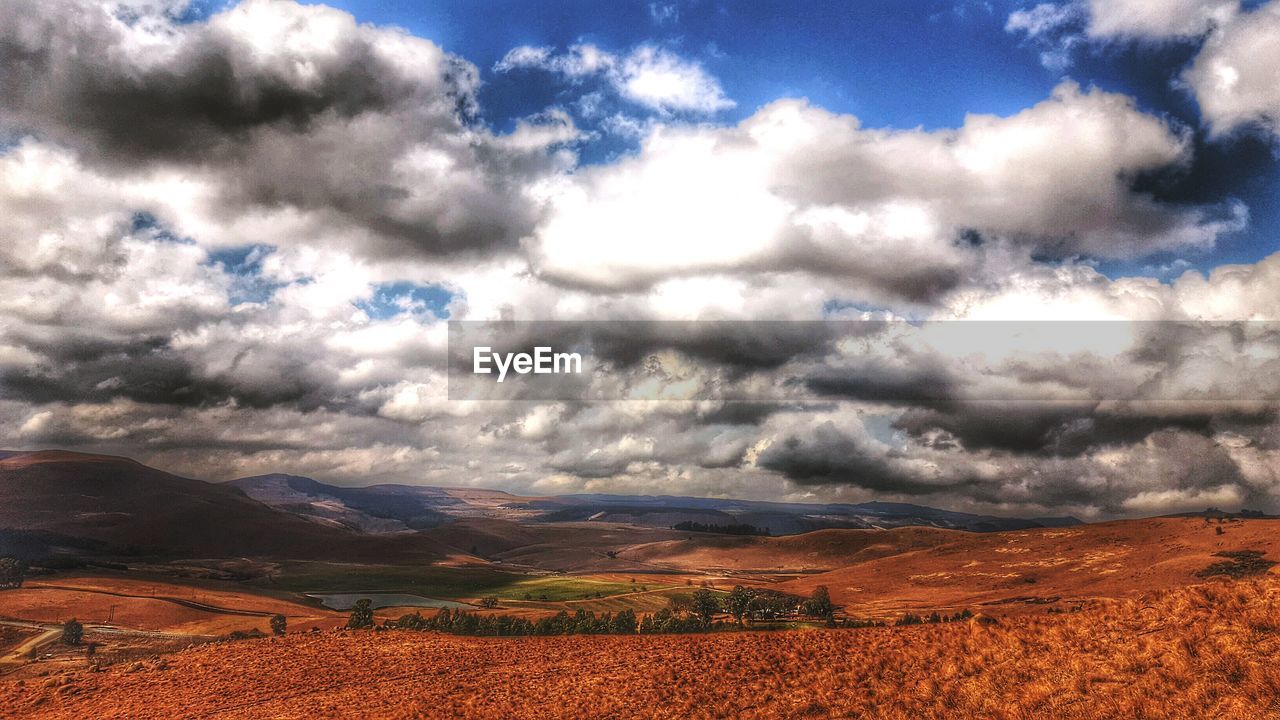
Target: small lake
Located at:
point(346, 601)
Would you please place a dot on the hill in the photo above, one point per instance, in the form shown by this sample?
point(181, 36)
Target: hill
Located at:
point(814, 551)
point(397, 508)
point(56, 502)
point(1199, 652)
point(1032, 568)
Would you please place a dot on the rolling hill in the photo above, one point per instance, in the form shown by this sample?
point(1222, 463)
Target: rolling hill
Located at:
point(397, 508)
point(55, 502)
point(1033, 568)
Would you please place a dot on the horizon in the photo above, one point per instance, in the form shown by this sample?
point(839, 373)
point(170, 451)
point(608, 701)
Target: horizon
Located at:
point(4, 454)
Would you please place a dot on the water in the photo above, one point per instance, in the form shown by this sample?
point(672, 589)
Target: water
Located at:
point(346, 601)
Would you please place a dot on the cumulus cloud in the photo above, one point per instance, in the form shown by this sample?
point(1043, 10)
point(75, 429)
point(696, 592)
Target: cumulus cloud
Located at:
point(797, 188)
point(1236, 76)
point(1157, 19)
point(284, 108)
point(1233, 77)
point(649, 76)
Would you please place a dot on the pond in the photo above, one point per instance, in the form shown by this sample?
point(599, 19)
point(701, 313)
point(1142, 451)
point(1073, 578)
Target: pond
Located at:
point(346, 601)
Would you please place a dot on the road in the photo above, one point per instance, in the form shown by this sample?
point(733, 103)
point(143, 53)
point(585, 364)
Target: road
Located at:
point(50, 632)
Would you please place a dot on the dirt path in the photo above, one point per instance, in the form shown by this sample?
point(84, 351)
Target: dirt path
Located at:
point(22, 652)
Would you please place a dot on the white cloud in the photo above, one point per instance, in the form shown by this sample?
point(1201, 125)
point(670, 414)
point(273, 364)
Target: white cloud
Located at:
point(797, 188)
point(648, 76)
point(1236, 76)
point(1043, 19)
point(1157, 19)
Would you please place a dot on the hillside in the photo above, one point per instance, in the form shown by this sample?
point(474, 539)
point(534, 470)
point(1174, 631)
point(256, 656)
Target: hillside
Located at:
point(818, 550)
point(1028, 568)
point(398, 508)
point(54, 502)
point(1200, 652)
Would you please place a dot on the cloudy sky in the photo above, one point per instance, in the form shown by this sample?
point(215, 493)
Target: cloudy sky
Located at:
point(232, 236)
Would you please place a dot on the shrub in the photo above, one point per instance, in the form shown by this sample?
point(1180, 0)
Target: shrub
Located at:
point(279, 624)
point(72, 632)
point(819, 604)
point(361, 614)
point(12, 572)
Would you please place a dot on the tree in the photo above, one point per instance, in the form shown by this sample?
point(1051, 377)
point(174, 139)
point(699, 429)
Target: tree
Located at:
point(489, 603)
point(705, 604)
point(680, 603)
point(361, 614)
point(279, 624)
point(819, 604)
point(72, 632)
point(738, 601)
point(12, 572)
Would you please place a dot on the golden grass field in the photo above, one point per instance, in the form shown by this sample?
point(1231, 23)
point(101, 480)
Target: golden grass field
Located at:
point(1206, 651)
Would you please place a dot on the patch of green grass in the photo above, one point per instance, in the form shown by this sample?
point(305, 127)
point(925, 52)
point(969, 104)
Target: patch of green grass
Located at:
point(437, 582)
point(558, 588)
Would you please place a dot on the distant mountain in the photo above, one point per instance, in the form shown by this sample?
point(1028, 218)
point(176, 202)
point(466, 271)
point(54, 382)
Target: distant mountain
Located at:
point(400, 508)
point(779, 517)
point(374, 509)
point(55, 502)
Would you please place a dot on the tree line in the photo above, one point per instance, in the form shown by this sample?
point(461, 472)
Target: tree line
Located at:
point(685, 613)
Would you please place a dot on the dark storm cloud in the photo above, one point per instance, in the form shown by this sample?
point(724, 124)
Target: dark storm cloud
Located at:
point(742, 345)
point(300, 106)
point(828, 456)
point(1040, 427)
point(160, 376)
point(904, 385)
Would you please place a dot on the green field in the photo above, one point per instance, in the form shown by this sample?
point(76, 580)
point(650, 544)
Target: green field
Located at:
point(436, 582)
point(558, 588)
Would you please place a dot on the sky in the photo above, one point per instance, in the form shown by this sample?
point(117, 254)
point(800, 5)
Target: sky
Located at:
point(235, 233)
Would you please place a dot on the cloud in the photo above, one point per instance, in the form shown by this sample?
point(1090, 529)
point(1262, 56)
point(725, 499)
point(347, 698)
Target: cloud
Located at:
point(1041, 20)
point(649, 76)
point(1157, 19)
point(278, 108)
point(1232, 77)
point(1235, 78)
point(1055, 28)
point(797, 188)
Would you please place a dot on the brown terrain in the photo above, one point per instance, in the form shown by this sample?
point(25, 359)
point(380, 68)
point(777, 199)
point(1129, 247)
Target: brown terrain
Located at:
point(177, 580)
point(1190, 653)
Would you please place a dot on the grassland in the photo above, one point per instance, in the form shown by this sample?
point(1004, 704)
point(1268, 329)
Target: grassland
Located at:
point(442, 582)
point(1205, 651)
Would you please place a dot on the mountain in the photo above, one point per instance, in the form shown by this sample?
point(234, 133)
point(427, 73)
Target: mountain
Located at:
point(62, 503)
point(780, 518)
point(374, 509)
point(56, 502)
point(400, 508)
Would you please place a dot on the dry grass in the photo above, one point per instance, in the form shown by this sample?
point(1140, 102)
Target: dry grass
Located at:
point(1199, 652)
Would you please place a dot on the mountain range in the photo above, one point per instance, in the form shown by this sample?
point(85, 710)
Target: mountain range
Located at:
point(55, 502)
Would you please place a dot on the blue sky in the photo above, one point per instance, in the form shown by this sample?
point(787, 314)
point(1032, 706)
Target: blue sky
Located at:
point(893, 64)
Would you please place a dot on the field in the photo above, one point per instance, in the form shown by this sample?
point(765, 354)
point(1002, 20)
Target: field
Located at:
point(446, 582)
point(1204, 651)
point(1167, 617)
